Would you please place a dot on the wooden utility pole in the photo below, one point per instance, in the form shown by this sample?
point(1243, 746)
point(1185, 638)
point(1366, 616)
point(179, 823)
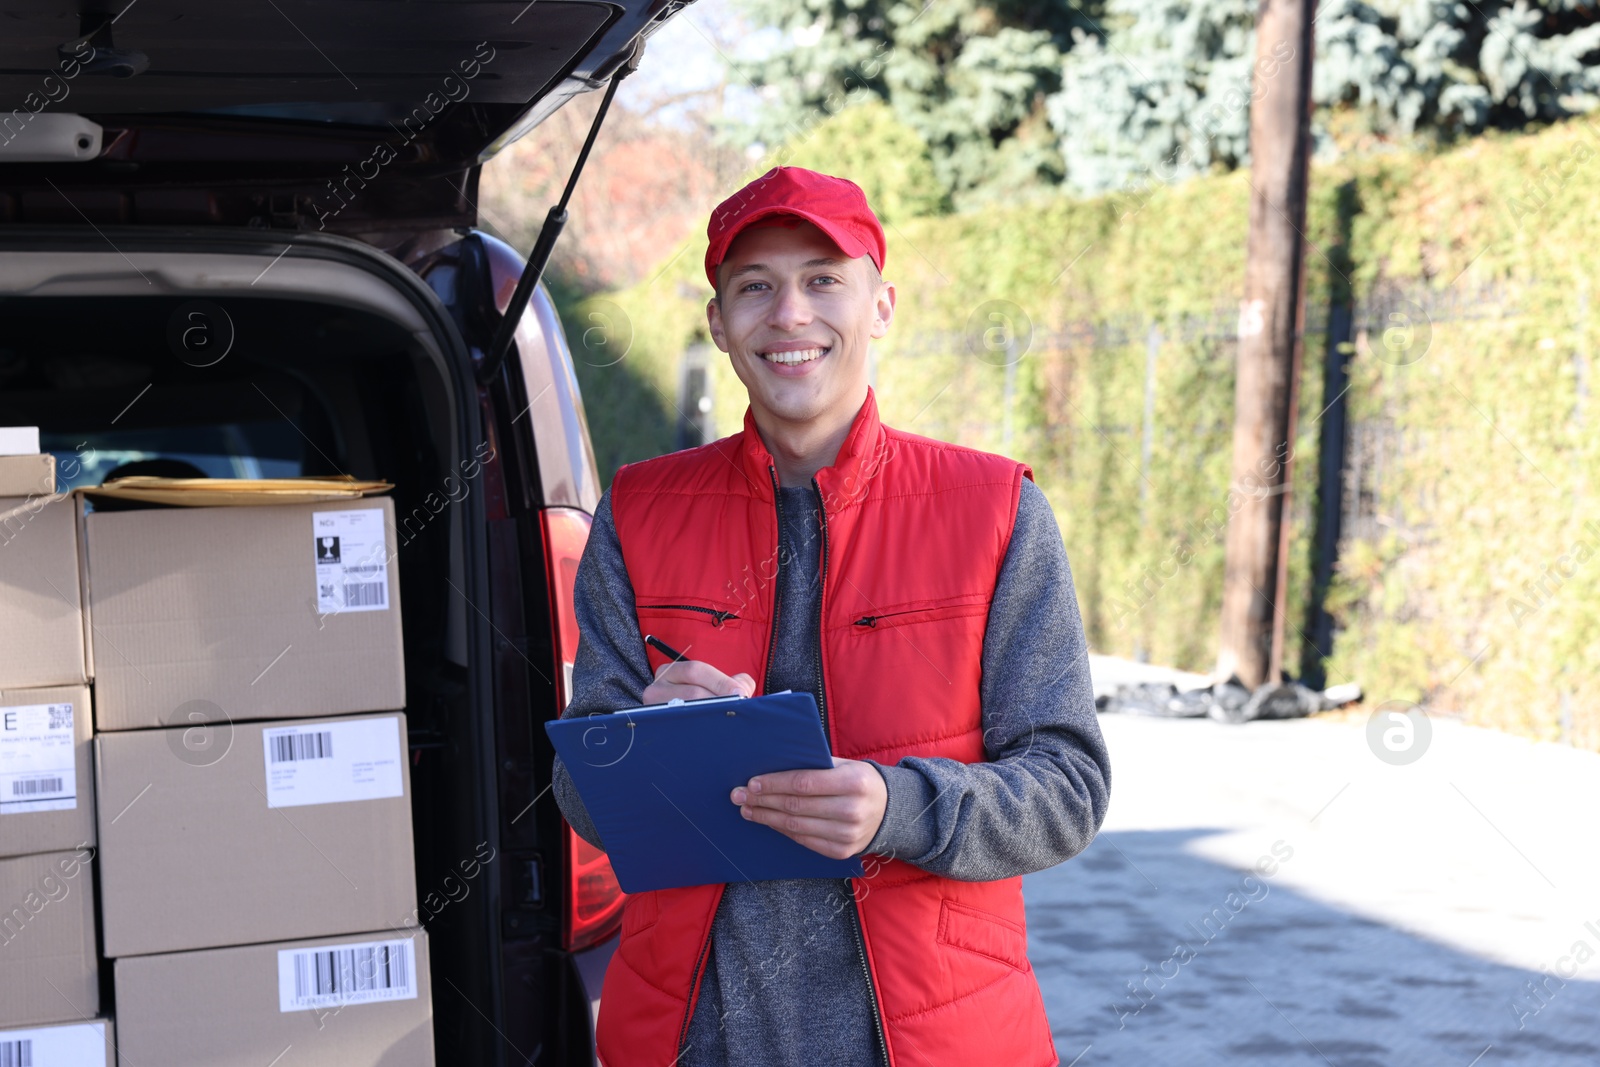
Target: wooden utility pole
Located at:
point(1271, 321)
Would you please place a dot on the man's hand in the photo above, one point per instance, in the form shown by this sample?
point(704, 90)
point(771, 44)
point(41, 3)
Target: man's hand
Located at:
point(835, 812)
point(689, 679)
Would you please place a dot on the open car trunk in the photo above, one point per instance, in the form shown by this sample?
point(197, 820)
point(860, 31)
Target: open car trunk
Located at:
point(339, 116)
point(339, 361)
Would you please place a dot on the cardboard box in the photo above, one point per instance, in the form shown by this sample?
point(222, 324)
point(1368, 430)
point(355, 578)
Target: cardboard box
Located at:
point(41, 621)
point(244, 613)
point(48, 967)
point(243, 1007)
point(249, 832)
point(88, 1044)
point(27, 475)
point(46, 770)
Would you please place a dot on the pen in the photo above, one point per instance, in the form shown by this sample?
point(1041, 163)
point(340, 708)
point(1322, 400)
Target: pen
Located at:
point(662, 647)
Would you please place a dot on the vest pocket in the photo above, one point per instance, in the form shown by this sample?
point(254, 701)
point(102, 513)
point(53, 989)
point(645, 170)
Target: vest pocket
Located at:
point(713, 614)
point(868, 622)
point(969, 928)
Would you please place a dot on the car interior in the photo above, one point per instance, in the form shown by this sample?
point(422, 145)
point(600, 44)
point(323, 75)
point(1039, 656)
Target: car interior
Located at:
point(306, 198)
point(314, 384)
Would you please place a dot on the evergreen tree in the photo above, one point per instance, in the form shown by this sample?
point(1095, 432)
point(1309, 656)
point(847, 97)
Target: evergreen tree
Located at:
point(1012, 95)
point(1165, 93)
point(969, 77)
point(1168, 91)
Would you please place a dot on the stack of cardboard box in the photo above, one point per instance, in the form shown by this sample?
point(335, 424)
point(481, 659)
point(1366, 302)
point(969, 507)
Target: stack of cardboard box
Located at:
point(246, 816)
point(49, 967)
point(257, 877)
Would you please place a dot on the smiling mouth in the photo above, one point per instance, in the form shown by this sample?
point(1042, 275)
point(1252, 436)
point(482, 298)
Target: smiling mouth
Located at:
point(800, 355)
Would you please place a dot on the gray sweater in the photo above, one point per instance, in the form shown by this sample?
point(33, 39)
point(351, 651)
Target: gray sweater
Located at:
point(785, 955)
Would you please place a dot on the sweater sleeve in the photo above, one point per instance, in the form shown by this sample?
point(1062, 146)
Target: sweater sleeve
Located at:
point(611, 669)
point(1043, 793)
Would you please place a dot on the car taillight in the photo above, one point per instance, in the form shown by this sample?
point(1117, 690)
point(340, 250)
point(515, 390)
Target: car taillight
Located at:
point(594, 899)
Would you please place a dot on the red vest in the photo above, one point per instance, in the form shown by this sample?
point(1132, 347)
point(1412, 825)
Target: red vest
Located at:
point(914, 535)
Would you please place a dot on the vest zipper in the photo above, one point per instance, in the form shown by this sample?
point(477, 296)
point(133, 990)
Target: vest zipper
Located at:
point(822, 707)
point(694, 983)
point(777, 586)
point(872, 620)
point(822, 685)
point(717, 617)
point(872, 987)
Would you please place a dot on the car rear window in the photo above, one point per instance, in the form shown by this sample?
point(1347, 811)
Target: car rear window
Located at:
point(226, 450)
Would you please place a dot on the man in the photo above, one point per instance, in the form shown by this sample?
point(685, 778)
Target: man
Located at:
point(921, 592)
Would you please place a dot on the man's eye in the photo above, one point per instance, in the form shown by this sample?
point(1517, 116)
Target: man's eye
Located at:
point(828, 278)
point(752, 286)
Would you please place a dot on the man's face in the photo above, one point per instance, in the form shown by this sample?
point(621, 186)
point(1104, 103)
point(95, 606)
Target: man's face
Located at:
point(795, 318)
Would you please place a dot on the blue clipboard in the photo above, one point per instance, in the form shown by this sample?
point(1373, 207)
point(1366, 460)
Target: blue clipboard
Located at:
point(656, 779)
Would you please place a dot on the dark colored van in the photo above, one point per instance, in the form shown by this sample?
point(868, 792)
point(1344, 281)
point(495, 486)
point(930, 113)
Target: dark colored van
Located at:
point(241, 239)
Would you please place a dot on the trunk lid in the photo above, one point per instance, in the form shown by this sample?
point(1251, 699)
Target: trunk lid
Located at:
point(349, 116)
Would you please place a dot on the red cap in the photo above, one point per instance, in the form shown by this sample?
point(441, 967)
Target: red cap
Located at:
point(835, 206)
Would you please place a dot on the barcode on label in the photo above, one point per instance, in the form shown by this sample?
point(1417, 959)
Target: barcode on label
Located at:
point(364, 594)
point(346, 974)
point(31, 787)
point(363, 568)
point(60, 716)
point(16, 1053)
point(289, 748)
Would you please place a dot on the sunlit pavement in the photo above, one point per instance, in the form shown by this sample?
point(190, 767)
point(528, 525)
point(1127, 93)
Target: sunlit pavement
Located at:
point(1444, 912)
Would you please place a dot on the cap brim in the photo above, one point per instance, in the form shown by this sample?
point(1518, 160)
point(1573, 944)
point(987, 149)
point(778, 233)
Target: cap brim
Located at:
point(852, 247)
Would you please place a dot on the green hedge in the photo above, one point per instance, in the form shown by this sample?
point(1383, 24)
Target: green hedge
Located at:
point(1491, 483)
point(1479, 594)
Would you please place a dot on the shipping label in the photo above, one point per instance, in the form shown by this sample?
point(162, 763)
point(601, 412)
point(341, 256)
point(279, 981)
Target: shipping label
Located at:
point(333, 762)
point(331, 976)
point(83, 1045)
point(38, 764)
point(352, 561)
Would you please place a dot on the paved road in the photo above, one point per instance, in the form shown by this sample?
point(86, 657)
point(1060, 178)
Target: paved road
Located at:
point(1423, 914)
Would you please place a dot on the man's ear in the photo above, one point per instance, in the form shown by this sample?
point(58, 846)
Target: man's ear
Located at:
point(883, 309)
point(714, 320)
